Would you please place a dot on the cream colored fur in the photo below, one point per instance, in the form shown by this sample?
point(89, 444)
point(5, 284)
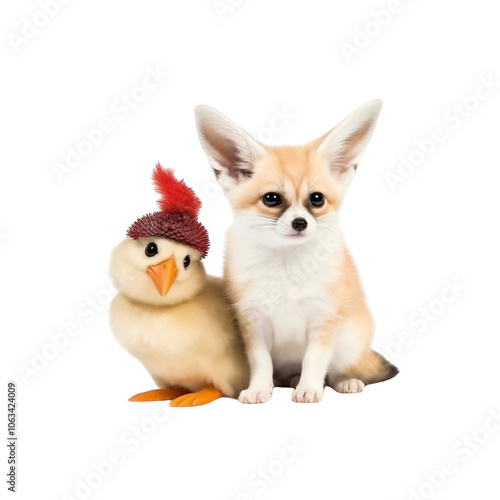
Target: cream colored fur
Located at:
point(189, 337)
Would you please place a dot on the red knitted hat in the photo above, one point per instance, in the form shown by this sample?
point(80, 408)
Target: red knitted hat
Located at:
point(178, 218)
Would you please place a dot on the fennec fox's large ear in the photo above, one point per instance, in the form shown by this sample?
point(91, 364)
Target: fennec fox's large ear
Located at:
point(344, 145)
point(230, 150)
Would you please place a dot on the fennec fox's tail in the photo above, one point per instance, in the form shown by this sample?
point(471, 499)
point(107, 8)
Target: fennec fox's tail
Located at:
point(372, 368)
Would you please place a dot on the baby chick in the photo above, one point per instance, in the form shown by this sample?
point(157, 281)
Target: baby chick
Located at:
point(169, 313)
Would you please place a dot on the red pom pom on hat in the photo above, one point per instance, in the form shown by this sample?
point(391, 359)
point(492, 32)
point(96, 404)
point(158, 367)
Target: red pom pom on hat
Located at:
point(176, 197)
point(178, 217)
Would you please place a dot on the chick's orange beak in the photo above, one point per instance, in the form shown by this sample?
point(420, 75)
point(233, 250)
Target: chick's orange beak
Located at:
point(163, 275)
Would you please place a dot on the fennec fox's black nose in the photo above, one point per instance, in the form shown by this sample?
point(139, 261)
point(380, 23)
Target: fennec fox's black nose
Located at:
point(299, 224)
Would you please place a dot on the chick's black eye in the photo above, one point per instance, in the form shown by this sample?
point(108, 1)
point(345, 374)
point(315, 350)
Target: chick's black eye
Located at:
point(151, 249)
point(316, 200)
point(187, 261)
point(272, 199)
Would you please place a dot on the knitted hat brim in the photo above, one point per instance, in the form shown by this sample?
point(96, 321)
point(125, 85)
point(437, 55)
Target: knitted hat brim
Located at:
point(181, 228)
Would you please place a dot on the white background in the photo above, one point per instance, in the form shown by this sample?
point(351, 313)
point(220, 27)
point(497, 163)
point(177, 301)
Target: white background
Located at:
point(255, 57)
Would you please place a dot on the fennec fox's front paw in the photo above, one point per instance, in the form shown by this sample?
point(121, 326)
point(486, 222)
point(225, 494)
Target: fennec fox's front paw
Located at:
point(252, 396)
point(307, 394)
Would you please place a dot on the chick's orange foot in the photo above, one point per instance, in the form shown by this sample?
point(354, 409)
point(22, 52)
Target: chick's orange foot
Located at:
point(160, 394)
point(206, 395)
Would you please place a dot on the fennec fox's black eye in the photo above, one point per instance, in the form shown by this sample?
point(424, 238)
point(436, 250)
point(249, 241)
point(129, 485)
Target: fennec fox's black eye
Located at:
point(316, 200)
point(187, 261)
point(151, 249)
point(272, 200)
